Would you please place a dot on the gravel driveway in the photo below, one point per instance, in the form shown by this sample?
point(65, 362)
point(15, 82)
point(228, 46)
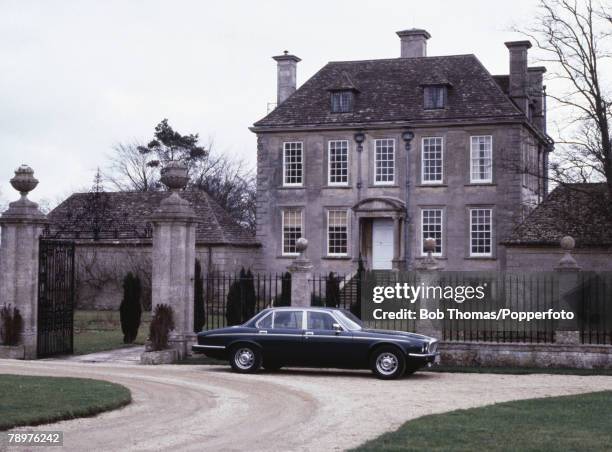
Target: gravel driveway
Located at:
point(210, 408)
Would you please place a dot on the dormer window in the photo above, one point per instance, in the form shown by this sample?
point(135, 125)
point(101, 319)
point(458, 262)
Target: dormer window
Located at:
point(341, 101)
point(435, 97)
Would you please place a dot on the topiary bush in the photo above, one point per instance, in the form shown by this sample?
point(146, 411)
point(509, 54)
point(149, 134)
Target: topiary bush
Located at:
point(233, 306)
point(199, 315)
point(332, 291)
point(130, 311)
point(285, 296)
point(162, 323)
point(11, 325)
point(248, 294)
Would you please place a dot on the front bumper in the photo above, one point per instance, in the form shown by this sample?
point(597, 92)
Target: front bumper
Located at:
point(426, 357)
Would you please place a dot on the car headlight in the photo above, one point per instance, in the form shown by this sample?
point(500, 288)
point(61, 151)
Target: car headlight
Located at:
point(432, 347)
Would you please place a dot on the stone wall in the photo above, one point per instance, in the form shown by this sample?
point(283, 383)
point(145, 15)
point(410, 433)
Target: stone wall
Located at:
point(488, 354)
point(542, 258)
point(101, 267)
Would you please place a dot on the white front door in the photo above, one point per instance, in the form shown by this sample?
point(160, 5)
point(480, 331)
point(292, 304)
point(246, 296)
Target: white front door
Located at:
point(382, 244)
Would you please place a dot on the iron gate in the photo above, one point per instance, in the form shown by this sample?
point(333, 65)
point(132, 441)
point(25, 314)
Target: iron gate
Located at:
point(55, 297)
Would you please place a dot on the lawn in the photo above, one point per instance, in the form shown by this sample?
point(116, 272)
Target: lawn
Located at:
point(580, 422)
point(28, 400)
point(96, 331)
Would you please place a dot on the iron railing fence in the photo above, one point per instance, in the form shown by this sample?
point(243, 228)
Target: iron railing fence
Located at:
point(233, 298)
point(596, 307)
point(344, 291)
point(517, 292)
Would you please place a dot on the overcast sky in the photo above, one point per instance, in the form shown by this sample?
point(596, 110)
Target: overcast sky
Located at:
point(77, 77)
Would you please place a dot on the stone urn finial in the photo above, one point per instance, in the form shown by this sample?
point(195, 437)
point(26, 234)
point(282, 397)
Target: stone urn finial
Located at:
point(174, 175)
point(301, 262)
point(24, 180)
point(429, 263)
point(567, 262)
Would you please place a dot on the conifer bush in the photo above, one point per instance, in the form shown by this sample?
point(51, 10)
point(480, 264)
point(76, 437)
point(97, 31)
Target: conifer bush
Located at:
point(11, 325)
point(130, 311)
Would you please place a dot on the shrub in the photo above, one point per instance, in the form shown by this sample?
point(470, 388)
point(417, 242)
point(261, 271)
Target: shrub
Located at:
point(233, 306)
point(248, 293)
point(199, 316)
point(11, 325)
point(332, 291)
point(162, 323)
point(130, 310)
point(285, 297)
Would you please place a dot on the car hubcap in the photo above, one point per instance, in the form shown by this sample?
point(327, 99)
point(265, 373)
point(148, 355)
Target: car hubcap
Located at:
point(244, 358)
point(386, 363)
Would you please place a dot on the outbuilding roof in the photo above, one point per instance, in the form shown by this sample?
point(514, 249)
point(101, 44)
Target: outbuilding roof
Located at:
point(126, 215)
point(583, 211)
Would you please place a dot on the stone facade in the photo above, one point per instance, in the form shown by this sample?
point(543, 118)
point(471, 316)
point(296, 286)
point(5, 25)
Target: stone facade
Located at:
point(516, 140)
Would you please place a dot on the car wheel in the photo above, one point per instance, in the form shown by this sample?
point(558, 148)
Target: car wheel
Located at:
point(245, 358)
point(388, 363)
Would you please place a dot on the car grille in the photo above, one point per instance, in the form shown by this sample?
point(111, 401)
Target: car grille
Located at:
point(432, 347)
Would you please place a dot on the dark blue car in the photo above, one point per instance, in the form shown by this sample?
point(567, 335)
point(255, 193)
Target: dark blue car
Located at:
point(316, 337)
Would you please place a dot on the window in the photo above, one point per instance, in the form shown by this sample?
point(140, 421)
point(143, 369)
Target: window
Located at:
point(384, 162)
point(431, 227)
point(341, 102)
point(481, 159)
point(481, 238)
point(431, 160)
point(338, 162)
point(292, 230)
point(435, 97)
point(319, 321)
point(337, 232)
point(288, 320)
point(293, 164)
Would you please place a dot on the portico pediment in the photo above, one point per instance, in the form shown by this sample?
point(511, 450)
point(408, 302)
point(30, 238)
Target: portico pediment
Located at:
point(380, 204)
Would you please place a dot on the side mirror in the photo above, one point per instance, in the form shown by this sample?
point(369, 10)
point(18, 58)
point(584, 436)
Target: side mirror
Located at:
point(337, 327)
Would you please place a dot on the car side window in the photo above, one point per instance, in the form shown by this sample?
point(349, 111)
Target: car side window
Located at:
point(288, 319)
point(266, 322)
point(320, 321)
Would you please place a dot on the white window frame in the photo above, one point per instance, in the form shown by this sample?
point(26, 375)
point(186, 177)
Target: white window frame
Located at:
point(329, 164)
point(473, 158)
point(423, 253)
point(437, 181)
point(389, 182)
point(283, 211)
point(348, 225)
point(491, 232)
point(285, 149)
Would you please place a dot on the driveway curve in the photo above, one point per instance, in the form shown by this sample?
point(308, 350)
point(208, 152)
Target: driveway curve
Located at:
point(209, 408)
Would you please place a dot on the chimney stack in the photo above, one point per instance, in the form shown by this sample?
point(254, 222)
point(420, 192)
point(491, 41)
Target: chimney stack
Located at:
point(286, 76)
point(519, 77)
point(413, 42)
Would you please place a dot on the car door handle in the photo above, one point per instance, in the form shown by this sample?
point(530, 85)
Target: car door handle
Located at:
point(263, 332)
point(309, 333)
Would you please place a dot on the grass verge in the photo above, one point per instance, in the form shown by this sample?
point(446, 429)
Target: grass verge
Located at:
point(97, 331)
point(28, 400)
point(580, 422)
point(518, 370)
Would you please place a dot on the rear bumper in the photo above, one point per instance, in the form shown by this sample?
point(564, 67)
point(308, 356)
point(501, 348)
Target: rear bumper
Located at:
point(207, 348)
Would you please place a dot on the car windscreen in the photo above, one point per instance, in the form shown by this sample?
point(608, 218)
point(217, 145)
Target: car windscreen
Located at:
point(351, 321)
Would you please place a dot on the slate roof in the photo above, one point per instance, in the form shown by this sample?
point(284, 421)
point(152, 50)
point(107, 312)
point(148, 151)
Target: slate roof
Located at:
point(126, 215)
point(583, 211)
point(390, 90)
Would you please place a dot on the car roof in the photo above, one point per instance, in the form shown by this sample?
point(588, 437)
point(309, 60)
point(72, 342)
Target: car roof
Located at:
point(303, 308)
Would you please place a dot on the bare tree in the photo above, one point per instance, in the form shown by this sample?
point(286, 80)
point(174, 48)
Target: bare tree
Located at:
point(128, 169)
point(231, 183)
point(574, 39)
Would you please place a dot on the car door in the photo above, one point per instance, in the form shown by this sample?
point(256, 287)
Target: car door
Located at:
point(281, 335)
point(325, 346)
